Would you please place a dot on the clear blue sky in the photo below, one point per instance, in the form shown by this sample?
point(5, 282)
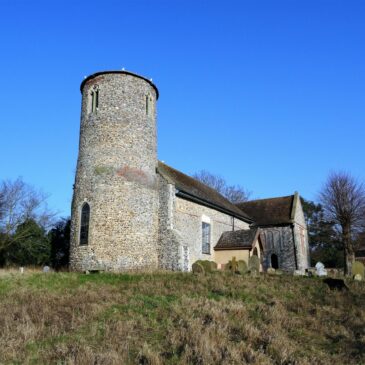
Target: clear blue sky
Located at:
point(269, 94)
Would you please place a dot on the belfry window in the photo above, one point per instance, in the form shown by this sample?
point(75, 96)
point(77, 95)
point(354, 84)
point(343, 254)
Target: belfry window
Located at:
point(149, 105)
point(205, 238)
point(94, 100)
point(84, 225)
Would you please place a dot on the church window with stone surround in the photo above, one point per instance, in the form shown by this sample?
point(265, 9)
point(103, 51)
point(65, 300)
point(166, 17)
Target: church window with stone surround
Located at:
point(84, 226)
point(94, 100)
point(205, 238)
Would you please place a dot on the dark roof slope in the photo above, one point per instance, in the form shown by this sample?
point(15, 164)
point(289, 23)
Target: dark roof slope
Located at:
point(242, 239)
point(269, 211)
point(192, 188)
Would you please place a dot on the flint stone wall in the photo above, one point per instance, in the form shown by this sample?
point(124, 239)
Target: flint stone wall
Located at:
point(116, 176)
point(180, 232)
point(278, 241)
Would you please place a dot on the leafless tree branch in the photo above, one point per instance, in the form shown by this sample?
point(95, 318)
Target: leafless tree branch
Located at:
point(20, 202)
point(343, 200)
point(234, 193)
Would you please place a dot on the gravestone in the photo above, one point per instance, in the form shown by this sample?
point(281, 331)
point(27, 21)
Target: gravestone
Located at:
point(358, 269)
point(358, 277)
point(321, 271)
point(46, 269)
point(242, 267)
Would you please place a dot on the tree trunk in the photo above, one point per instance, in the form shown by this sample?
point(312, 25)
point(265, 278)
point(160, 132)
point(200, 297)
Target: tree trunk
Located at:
point(348, 250)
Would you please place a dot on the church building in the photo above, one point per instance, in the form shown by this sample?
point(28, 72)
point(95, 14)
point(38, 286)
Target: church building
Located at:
point(133, 212)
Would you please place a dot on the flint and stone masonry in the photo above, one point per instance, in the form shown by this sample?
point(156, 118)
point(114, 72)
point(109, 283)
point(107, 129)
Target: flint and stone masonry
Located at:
point(116, 174)
point(132, 212)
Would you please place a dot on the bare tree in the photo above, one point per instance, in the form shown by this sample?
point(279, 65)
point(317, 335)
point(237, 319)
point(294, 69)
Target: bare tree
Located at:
point(343, 200)
point(234, 193)
point(19, 203)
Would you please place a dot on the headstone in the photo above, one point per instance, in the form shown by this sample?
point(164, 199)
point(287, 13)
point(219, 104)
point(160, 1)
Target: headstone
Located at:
point(271, 271)
point(358, 268)
point(242, 267)
point(358, 277)
point(46, 269)
point(21, 269)
point(321, 271)
point(198, 268)
point(254, 264)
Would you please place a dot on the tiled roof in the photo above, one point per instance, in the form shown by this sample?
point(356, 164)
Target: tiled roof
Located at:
point(191, 188)
point(269, 211)
point(242, 239)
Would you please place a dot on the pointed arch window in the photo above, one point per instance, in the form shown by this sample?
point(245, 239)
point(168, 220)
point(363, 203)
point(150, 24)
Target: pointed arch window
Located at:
point(84, 226)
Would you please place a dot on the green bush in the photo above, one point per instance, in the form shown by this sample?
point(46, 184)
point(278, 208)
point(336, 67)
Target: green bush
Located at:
point(358, 268)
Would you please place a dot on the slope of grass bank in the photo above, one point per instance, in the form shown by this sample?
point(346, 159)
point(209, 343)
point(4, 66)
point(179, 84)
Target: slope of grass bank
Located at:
point(168, 318)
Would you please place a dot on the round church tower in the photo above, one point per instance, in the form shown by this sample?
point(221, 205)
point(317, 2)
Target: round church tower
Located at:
point(115, 201)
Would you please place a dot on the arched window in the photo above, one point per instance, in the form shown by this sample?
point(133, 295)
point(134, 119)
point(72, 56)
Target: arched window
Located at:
point(255, 253)
point(84, 226)
point(94, 98)
point(274, 261)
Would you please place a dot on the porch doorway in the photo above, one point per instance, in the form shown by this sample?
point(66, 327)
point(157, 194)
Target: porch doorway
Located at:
point(274, 261)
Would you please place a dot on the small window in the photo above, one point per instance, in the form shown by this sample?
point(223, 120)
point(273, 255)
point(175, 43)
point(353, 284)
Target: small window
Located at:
point(84, 226)
point(206, 238)
point(149, 105)
point(94, 100)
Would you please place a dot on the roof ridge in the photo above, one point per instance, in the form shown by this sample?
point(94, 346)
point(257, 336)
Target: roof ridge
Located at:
point(257, 200)
point(198, 181)
point(232, 207)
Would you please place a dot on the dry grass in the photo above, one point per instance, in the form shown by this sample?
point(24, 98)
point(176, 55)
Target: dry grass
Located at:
point(170, 318)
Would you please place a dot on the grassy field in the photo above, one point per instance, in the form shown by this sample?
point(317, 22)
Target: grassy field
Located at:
point(168, 318)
